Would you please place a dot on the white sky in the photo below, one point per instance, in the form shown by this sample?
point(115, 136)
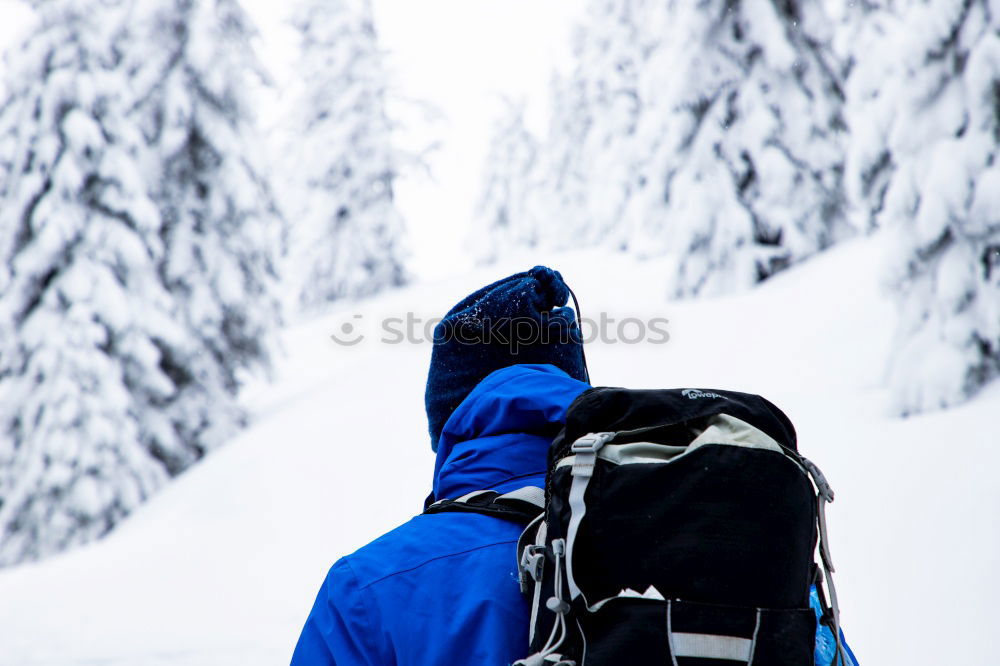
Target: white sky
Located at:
point(463, 56)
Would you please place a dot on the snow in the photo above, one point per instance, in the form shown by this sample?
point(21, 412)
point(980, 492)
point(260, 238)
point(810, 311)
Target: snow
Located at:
point(222, 566)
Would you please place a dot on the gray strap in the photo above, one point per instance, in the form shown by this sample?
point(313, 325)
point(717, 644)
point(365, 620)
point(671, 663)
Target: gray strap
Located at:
point(825, 496)
point(753, 644)
point(468, 497)
point(835, 612)
point(464, 499)
point(536, 597)
point(530, 494)
point(710, 646)
point(585, 457)
point(670, 633)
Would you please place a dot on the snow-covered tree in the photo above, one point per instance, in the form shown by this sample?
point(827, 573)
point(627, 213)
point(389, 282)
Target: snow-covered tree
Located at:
point(346, 233)
point(221, 231)
point(710, 131)
point(599, 108)
point(502, 220)
point(85, 313)
point(136, 243)
point(744, 175)
point(925, 166)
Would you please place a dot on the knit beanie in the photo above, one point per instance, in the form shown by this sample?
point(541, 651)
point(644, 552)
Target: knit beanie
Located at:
point(519, 319)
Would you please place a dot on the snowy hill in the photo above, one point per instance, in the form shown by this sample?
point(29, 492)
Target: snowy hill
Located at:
point(222, 566)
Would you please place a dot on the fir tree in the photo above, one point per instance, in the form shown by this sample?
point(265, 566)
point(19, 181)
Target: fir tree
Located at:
point(192, 72)
point(346, 231)
point(925, 112)
point(84, 310)
point(137, 242)
point(743, 177)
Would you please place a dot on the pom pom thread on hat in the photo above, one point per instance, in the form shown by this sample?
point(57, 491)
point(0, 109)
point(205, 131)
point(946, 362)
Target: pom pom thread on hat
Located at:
point(519, 319)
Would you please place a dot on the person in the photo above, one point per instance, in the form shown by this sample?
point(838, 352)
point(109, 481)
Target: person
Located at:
point(442, 589)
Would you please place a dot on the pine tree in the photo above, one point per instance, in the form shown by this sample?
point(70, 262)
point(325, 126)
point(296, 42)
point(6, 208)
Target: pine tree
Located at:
point(346, 231)
point(84, 312)
point(925, 112)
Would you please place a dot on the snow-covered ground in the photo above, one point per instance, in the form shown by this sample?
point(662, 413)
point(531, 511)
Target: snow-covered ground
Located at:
point(222, 566)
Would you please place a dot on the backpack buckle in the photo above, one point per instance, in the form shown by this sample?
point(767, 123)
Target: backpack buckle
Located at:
point(592, 442)
point(825, 491)
point(532, 563)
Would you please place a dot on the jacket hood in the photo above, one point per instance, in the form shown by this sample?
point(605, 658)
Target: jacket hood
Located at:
point(498, 437)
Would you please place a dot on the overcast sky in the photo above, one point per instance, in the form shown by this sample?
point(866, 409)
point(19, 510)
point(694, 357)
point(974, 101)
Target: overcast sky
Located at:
point(464, 56)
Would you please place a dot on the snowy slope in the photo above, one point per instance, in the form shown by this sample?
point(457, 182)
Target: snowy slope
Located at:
point(222, 566)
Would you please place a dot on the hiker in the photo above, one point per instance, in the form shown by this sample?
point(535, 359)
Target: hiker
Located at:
point(443, 588)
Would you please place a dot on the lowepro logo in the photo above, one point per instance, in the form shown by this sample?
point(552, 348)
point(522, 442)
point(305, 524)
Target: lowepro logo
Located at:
point(694, 394)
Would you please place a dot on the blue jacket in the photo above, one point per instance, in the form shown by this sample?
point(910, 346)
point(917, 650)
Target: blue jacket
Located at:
point(442, 589)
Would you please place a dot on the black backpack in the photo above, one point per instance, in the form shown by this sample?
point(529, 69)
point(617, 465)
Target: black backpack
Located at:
point(677, 527)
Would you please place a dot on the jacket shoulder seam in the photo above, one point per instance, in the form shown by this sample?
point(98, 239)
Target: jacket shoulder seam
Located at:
point(371, 609)
point(435, 559)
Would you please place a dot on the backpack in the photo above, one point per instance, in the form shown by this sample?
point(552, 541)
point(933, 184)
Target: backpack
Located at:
point(677, 526)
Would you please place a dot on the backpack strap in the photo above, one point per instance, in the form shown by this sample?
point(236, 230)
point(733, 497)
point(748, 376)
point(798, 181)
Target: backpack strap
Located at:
point(520, 506)
point(824, 496)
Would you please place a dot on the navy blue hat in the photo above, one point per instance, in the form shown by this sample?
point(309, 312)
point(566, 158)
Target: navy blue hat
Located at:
point(519, 319)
